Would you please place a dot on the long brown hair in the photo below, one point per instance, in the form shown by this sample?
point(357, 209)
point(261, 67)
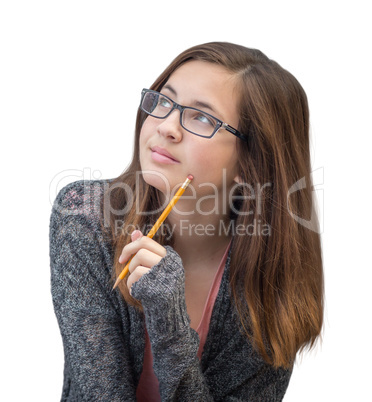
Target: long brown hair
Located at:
point(276, 280)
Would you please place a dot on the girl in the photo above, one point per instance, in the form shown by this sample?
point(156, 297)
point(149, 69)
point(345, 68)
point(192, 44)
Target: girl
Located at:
point(216, 305)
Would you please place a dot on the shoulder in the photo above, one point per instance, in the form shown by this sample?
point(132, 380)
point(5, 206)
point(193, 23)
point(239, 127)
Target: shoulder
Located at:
point(81, 197)
point(76, 216)
point(80, 202)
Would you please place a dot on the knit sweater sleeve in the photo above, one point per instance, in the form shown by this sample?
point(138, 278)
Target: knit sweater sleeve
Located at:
point(97, 362)
point(174, 344)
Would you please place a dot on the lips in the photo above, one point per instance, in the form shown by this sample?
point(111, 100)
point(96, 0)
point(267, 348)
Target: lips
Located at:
point(163, 156)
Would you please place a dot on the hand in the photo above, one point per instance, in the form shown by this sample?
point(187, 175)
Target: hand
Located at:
point(147, 253)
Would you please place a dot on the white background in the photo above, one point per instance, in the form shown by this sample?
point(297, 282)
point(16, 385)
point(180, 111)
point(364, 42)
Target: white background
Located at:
point(70, 79)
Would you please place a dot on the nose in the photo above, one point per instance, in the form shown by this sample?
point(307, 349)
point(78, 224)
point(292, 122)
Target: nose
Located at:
point(171, 127)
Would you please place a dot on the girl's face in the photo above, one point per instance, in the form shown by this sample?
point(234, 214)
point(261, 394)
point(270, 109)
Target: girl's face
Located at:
point(212, 162)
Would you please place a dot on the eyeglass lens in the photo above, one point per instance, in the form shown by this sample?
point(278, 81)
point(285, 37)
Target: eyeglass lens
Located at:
point(194, 120)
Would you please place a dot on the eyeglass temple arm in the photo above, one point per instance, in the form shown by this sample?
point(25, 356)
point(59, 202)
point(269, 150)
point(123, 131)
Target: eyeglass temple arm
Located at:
point(235, 132)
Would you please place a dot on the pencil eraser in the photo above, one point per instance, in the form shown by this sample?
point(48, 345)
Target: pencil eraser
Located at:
point(190, 176)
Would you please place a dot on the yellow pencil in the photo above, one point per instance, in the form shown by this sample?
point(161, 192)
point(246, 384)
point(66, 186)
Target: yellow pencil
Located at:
point(158, 223)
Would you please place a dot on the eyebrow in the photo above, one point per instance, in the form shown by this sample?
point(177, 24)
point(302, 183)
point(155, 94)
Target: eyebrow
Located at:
point(198, 104)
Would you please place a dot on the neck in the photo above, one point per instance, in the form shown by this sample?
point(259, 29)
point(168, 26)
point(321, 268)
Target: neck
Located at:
point(200, 225)
point(199, 237)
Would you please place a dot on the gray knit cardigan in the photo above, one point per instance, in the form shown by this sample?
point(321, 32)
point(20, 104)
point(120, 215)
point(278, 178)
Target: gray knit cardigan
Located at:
point(104, 338)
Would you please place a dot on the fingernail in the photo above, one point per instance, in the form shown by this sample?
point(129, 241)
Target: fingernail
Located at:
point(135, 234)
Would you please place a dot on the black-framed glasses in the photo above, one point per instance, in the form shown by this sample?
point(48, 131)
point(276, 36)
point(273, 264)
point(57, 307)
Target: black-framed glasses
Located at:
point(193, 120)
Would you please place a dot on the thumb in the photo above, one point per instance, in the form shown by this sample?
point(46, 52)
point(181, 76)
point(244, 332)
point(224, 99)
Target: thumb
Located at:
point(136, 234)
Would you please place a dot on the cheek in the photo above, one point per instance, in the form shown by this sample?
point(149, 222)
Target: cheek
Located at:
point(201, 157)
point(209, 163)
point(223, 156)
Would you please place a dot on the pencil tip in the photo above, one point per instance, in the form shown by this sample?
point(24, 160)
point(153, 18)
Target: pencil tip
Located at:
point(116, 283)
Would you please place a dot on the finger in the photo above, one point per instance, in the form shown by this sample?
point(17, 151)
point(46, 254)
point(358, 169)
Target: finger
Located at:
point(136, 275)
point(144, 258)
point(136, 234)
point(143, 242)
